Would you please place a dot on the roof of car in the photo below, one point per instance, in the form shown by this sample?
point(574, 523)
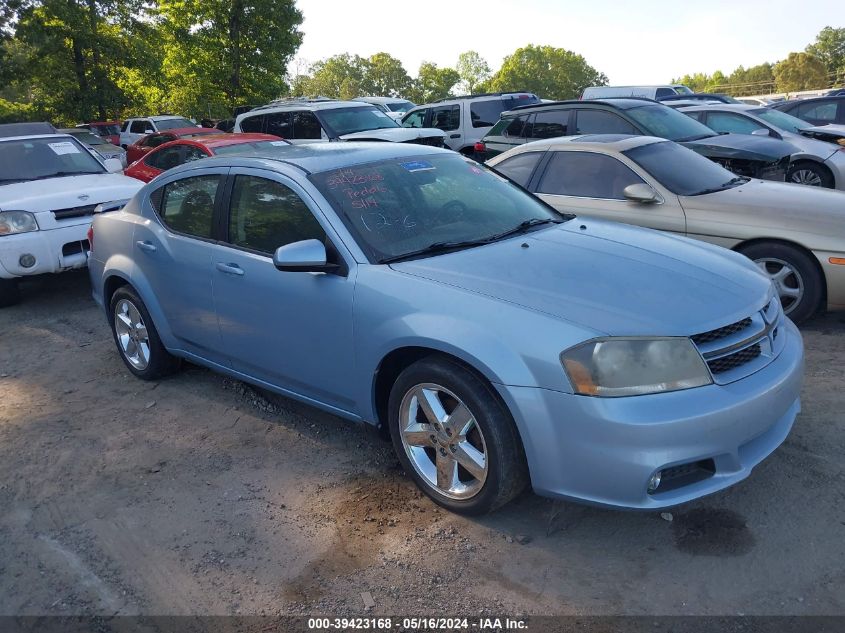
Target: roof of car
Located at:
point(319, 157)
point(189, 131)
point(795, 102)
point(101, 123)
point(735, 107)
point(614, 142)
point(307, 104)
point(379, 99)
point(223, 139)
point(8, 130)
point(622, 103)
point(28, 136)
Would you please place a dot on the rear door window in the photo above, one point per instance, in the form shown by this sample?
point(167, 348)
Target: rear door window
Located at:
point(485, 113)
point(664, 92)
point(520, 168)
point(253, 124)
point(187, 205)
point(140, 127)
point(550, 124)
point(821, 111)
point(446, 118)
point(601, 122)
point(280, 124)
point(586, 175)
point(165, 159)
point(305, 125)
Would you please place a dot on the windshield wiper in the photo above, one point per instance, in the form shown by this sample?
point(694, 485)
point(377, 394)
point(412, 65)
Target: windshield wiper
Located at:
point(442, 247)
point(697, 137)
point(725, 185)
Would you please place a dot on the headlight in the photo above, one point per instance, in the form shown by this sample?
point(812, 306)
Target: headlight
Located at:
point(12, 222)
point(614, 367)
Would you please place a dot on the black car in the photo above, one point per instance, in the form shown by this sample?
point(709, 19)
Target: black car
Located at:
point(744, 155)
point(699, 96)
point(818, 111)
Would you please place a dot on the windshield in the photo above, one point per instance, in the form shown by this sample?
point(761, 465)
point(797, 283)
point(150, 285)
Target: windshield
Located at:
point(170, 124)
point(683, 90)
point(88, 138)
point(400, 106)
point(38, 158)
point(356, 119)
point(663, 121)
point(781, 119)
point(402, 205)
point(249, 148)
point(106, 130)
point(682, 171)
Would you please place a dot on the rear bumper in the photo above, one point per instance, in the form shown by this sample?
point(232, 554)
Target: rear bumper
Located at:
point(55, 250)
point(605, 450)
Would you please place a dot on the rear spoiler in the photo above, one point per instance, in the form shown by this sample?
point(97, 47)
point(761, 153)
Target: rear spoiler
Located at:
point(115, 205)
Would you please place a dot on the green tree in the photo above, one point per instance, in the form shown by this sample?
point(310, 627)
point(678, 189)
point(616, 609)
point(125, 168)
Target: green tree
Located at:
point(341, 77)
point(551, 73)
point(829, 48)
point(432, 83)
point(385, 76)
point(800, 71)
point(697, 82)
point(226, 52)
point(472, 70)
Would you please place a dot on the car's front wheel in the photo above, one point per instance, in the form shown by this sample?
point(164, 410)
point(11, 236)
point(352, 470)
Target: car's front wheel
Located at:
point(454, 438)
point(795, 275)
point(809, 173)
point(136, 337)
point(9, 292)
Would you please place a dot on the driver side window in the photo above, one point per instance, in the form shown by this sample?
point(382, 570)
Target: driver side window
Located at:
point(586, 175)
point(728, 122)
point(265, 215)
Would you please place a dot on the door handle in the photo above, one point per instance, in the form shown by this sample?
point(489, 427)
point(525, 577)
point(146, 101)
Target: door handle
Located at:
point(146, 245)
point(454, 136)
point(230, 269)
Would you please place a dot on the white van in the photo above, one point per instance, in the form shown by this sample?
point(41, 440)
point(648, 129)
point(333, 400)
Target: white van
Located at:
point(650, 92)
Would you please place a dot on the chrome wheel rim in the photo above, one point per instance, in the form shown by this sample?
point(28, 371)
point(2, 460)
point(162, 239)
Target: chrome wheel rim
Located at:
point(132, 336)
point(787, 280)
point(443, 441)
point(806, 177)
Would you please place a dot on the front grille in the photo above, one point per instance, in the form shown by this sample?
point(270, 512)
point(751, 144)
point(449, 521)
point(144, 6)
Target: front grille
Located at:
point(732, 361)
point(433, 141)
point(74, 212)
point(722, 332)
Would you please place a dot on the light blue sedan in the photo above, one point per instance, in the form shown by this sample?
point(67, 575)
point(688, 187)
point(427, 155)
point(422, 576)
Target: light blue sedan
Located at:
point(498, 341)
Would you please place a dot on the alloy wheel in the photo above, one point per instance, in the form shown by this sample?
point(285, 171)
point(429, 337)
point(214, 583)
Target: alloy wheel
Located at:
point(132, 335)
point(443, 441)
point(787, 280)
point(806, 177)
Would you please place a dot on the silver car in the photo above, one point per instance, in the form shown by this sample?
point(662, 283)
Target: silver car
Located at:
point(820, 163)
point(498, 341)
point(97, 145)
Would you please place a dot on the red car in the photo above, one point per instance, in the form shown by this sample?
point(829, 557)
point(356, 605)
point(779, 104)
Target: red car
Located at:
point(109, 130)
point(185, 150)
point(145, 145)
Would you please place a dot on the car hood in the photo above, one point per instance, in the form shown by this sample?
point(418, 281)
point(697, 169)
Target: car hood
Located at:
point(743, 146)
point(612, 278)
point(108, 148)
point(395, 134)
point(832, 132)
point(70, 191)
point(778, 206)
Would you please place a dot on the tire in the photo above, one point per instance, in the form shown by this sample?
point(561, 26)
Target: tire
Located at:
point(483, 425)
point(10, 294)
point(772, 258)
point(149, 360)
point(809, 173)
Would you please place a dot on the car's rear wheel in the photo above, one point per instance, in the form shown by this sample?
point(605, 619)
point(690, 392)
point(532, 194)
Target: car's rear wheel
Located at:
point(796, 277)
point(454, 437)
point(10, 294)
point(136, 337)
point(808, 173)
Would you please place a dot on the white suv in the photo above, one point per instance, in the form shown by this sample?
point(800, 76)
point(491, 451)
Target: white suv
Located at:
point(50, 186)
point(136, 128)
point(466, 119)
point(315, 120)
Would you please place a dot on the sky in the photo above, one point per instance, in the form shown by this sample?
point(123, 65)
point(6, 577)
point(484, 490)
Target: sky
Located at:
point(634, 42)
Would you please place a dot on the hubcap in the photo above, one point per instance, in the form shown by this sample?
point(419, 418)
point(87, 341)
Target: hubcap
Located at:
point(132, 334)
point(787, 280)
point(443, 441)
point(806, 177)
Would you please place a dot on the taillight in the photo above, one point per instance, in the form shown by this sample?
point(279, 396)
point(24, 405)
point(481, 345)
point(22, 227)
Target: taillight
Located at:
point(480, 147)
point(91, 238)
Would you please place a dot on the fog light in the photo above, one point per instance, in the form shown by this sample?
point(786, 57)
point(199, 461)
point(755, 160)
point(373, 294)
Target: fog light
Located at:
point(27, 261)
point(654, 482)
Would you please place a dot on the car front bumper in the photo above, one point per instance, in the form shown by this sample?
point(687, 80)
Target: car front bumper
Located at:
point(605, 450)
point(54, 250)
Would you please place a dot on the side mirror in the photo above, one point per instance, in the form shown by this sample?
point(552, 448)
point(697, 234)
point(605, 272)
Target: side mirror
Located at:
point(307, 256)
point(641, 192)
point(113, 165)
point(760, 132)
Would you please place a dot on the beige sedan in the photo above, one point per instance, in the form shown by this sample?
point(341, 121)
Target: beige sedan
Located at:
point(796, 234)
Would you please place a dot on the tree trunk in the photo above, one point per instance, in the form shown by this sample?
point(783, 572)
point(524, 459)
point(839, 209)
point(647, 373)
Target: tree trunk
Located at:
point(81, 79)
point(93, 18)
point(234, 90)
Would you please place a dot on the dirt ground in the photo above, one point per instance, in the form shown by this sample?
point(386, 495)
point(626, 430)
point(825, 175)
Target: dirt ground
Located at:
point(196, 495)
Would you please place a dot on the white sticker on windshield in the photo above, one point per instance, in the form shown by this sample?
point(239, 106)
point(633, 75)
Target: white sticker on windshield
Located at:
point(279, 143)
point(64, 147)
